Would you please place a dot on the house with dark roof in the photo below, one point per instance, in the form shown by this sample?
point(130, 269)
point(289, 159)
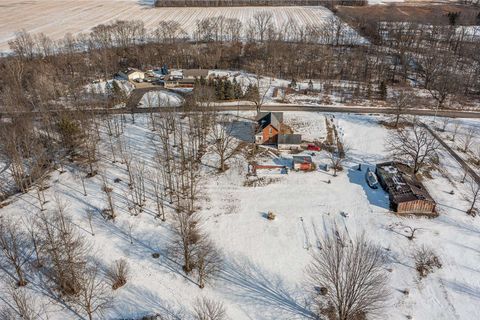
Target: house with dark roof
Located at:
point(406, 193)
point(269, 125)
point(272, 131)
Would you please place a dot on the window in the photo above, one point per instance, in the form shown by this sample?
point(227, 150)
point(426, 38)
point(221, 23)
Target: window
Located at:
point(270, 131)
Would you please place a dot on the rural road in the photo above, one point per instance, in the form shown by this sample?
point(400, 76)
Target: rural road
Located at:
point(342, 109)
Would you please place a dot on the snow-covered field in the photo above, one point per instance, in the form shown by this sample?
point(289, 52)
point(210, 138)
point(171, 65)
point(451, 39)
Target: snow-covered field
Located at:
point(57, 18)
point(265, 260)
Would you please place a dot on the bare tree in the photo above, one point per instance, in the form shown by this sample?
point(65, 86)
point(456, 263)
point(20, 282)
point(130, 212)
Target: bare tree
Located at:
point(351, 279)
point(400, 101)
point(160, 193)
point(206, 309)
point(64, 253)
point(407, 231)
point(225, 145)
point(456, 127)
point(260, 25)
point(186, 238)
point(93, 297)
point(208, 260)
point(413, 144)
point(117, 274)
point(473, 195)
point(21, 305)
point(467, 139)
point(337, 156)
point(14, 247)
point(445, 122)
point(109, 212)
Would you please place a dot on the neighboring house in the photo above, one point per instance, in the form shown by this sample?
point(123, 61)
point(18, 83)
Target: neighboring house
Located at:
point(303, 163)
point(269, 126)
point(407, 194)
point(132, 74)
point(289, 141)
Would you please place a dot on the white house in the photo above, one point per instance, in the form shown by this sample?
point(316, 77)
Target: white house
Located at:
point(132, 74)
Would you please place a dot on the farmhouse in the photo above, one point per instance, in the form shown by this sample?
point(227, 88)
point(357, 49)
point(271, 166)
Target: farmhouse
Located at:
point(132, 74)
point(303, 163)
point(272, 131)
point(407, 194)
point(269, 126)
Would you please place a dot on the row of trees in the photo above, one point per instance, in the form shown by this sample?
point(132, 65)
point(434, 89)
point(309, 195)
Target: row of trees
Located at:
point(440, 59)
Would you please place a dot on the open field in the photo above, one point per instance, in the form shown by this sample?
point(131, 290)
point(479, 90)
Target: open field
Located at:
point(265, 261)
point(418, 12)
point(57, 18)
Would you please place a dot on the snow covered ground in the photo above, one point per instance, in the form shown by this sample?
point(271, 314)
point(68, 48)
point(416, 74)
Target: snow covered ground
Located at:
point(105, 87)
point(162, 98)
point(57, 18)
point(265, 260)
point(467, 134)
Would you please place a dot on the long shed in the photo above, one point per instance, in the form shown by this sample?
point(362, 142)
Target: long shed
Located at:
point(406, 193)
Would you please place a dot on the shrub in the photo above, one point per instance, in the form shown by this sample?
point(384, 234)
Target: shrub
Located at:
point(118, 273)
point(426, 261)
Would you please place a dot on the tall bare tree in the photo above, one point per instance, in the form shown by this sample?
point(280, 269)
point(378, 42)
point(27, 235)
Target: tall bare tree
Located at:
point(467, 138)
point(186, 238)
point(350, 278)
point(400, 101)
point(14, 245)
point(413, 144)
point(473, 195)
point(94, 296)
point(225, 145)
point(208, 261)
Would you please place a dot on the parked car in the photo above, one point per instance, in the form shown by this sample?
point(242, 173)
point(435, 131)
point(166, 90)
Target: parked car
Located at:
point(313, 147)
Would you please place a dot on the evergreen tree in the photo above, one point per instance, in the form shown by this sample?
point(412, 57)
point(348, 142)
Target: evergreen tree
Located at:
point(252, 93)
point(237, 89)
point(221, 90)
point(310, 85)
point(218, 89)
point(228, 89)
point(293, 84)
point(383, 90)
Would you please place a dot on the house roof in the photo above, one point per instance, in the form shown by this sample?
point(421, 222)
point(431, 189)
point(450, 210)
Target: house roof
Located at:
point(302, 159)
point(289, 139)
point(132, 70)
point(402, 185)
point(264, 119)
